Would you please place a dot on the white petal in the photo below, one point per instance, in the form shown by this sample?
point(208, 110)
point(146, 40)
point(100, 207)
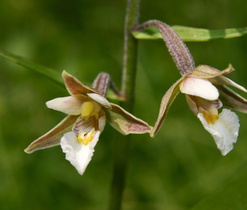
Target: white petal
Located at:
point(79, 155)
point(199, 87)
point(102, 121)
point(69, 105)
point(224, 130)
point(234, 84)
point(100, 99)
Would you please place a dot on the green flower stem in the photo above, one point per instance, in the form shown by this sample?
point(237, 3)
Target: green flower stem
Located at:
point(130, 53)
point(121, 147)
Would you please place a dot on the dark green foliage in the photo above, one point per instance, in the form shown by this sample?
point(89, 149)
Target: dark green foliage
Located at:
point(180, 168)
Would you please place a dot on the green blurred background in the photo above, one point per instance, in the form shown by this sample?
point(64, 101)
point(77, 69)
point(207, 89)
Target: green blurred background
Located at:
point(180, 168)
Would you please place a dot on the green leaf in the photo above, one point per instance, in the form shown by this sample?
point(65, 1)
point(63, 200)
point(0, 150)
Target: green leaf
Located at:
point(190, 34)
point(47, 72)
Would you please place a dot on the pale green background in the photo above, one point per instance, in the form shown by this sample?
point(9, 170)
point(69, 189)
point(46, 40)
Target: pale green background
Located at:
point(179, 169)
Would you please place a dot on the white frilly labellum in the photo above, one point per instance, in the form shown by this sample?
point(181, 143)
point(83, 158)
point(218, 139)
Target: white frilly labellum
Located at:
point(79, 155)
point(199, 87)
point(224, 130)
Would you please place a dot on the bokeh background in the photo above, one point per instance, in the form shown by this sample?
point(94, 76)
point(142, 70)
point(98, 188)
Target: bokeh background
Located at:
point(180, 168)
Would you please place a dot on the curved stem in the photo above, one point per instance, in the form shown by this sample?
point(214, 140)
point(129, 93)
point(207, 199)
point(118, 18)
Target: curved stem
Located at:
point(177, 48)
point(121, 147)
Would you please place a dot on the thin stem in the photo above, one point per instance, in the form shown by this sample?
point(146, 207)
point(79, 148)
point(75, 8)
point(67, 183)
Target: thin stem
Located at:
point(130, 52)
point(121, 147)
point(177, 48)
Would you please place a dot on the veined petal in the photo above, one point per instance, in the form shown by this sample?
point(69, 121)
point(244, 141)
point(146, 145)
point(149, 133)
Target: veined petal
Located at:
point(79, 155)
point(69, 105)
point(199, 87)
point(224, 130)
point(232, 99)
point(87, 124)
point(207, 72)
point(125, 122)
point(166, 102)
point(52, 138)
point(221, 80)
point(101, 83)
point(100, 99)
point(74, 86)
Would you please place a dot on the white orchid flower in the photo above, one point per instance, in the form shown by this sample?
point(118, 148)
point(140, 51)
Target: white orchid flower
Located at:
point(206, 92)
point(87, 110)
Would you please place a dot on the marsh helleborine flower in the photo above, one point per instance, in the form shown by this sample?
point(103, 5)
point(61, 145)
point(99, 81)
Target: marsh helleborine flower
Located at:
point(87, 110)
point(205, 90)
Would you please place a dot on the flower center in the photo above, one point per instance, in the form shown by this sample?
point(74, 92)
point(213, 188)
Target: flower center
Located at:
point(90, 108)
point(87, 109)
point(85, 138)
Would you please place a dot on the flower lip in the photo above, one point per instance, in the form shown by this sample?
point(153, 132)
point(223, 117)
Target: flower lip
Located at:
point(78, 154)
point(224, 130)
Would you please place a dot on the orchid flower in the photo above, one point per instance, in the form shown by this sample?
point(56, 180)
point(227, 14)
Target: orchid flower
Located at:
point(87, 110)
point(205, 89)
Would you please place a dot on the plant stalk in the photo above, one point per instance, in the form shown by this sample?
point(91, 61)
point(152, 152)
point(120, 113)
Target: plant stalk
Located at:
point(122, 143)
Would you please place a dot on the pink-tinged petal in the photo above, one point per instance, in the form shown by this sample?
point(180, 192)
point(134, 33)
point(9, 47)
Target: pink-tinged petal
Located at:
point(166, 102)
point(83, 124)
point(52, 138)
point(74, 86)
point(87, 124)
point(217, 104)
point(232, 99)
point(199, 87)
point(224, 130)
point(101, 83)
point(69, 105)
point(207, 72)
point(79, 155)
point(125, 122)
point(100, 99)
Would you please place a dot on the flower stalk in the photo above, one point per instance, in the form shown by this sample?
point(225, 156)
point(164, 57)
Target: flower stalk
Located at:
point(177, 48)
point(121, 146)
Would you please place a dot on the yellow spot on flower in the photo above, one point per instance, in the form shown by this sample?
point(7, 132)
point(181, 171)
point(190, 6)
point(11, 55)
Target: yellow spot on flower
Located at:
point(85, 138)
point(87, 109)
point(210, 117)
